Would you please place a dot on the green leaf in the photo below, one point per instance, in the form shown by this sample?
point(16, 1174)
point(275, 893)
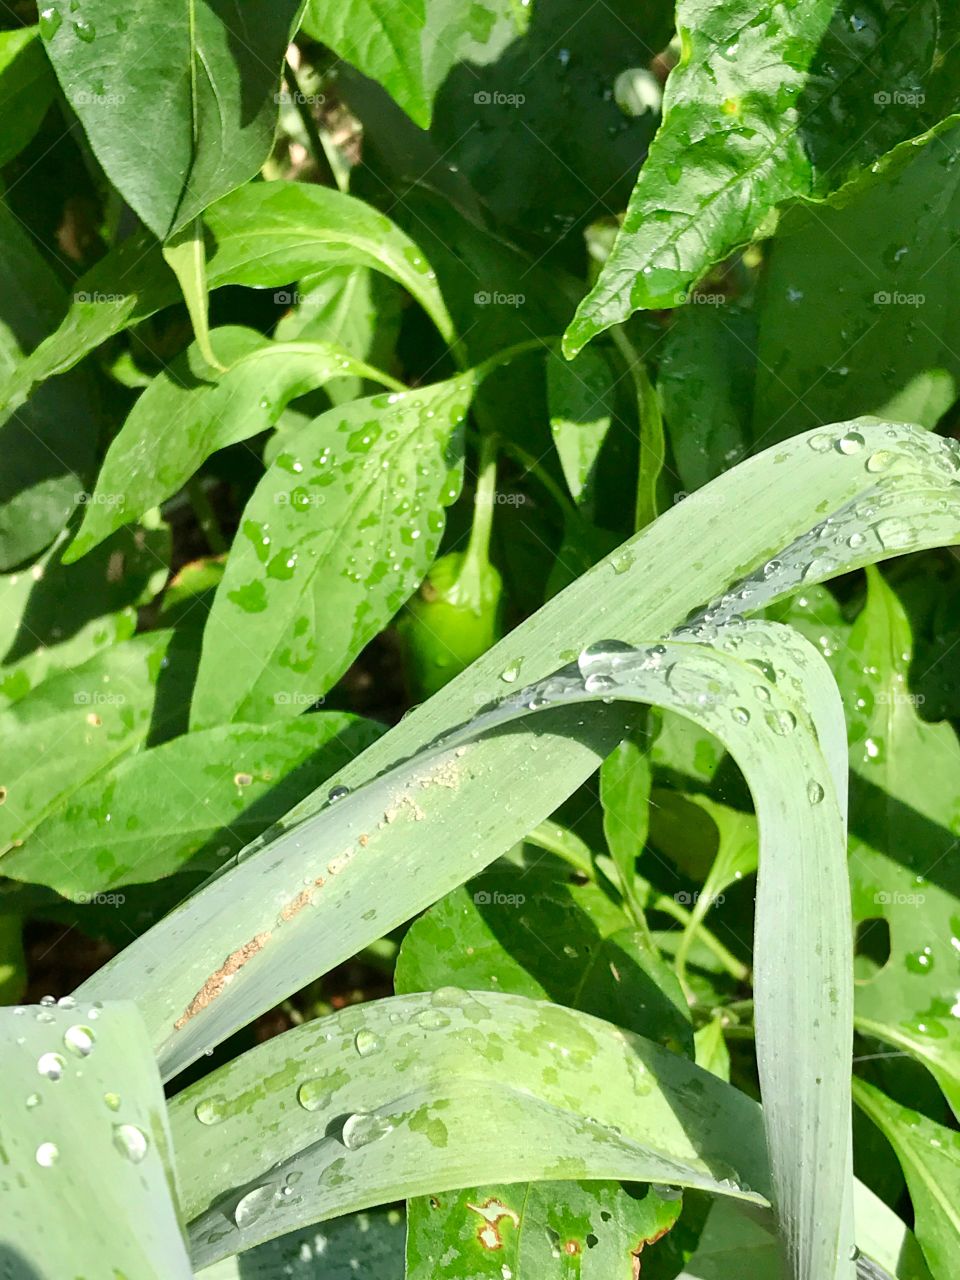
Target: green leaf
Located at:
point(337, 535)
point(625, 781)
point(186, 805)
point(581, 395)
point(411, 49)
point(263, 235)
point(537, 1231)
point(179, 102)
point(881, 343)
point(94, 713)
point(26, 89)
point(185, 254)
point(905, 822)
point(930, 1156)
point(48, 442)
point(761, 108)
point(360, 1246)
point(419, 1094)
point(86, 1179)
point(190, 411)
point(532, 935)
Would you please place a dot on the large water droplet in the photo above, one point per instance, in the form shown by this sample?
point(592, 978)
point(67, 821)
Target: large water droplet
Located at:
point(79, 1040)
point(781, 722)
point(814, 791)
point(360, 1129)
point(48, 1153)
point(366, 1042)
point(51, 1065)
point(313, 1095)
point(851, 442)
point(131, 1142)
point(509, 674)
point(211, 1110)
point(253, 1205)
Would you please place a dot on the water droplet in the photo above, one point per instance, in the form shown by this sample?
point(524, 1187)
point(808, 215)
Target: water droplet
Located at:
point(366, 1042)
point(85, 30)
point(79, 1040)
point(337, 793)
point(781, 722)
point(253, 1205)
point(112, 1100)
point(211, 1110)
point(920, 961)
point(741, 715)
point(880, 460)
point(33, 1101)
point(130, 1141)
point(510, 673)
point(313, 1095)
point(50, 22)
point(814, 791)
point(850, 443)
point(432, 1019)
point(48, 1153)
point(51, 1065)
point(856, 540)
point(360, 1129)
point(820, 443)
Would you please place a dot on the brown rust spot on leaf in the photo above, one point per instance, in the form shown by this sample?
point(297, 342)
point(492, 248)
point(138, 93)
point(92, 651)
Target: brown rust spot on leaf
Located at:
point(493, 1212)
point(215, 984)
point(635, 1253)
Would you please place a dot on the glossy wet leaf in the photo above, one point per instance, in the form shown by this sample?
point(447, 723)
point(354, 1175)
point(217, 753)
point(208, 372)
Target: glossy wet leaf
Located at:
point(337, 535)
point(519, 1106)
point(26, 88)
point(905, 821)
point(190, 411)
point(930, 1156)
point(541, 1229)
point(532, 935)
point(870, 328)
point(763, 107)
point(263, 235)
point(94, 714)
point(411, 49)
point(85, 1130)
point(178, 101)
point(189, 804)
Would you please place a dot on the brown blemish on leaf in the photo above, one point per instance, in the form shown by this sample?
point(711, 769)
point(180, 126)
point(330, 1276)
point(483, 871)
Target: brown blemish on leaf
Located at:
point(635, 1253)
point(572, 1247)
point(296, 905)
point(364, 840)
point(3, 795)
point(242, 779)
point(215, 984)
point(493, 1212)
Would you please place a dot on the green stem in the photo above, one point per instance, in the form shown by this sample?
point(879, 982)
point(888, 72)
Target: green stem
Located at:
point(206, 517)
point(476, 560)
point(736, 968)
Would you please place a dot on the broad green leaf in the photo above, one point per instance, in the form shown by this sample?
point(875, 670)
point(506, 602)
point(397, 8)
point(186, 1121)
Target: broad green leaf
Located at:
point(190, 411)
point(905, 822)
point(763, 106)
point(880, 341)
point(420, 1094)
point(263, 235)
point(26, 89)
point(360, 1246)
point(581, 395)
point(353, 307)
point(87, 1184)
point(186, 805)
point(412, 48)
point(92, 714)
point(930, 1156)
point(532, 935)
point(338, 533)
point(536, 1231)
point(707, 373)
point(48, 442)
point(179, 102)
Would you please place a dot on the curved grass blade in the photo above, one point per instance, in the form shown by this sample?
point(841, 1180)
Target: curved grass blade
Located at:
point(420, 1094)
point(86, 1178)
